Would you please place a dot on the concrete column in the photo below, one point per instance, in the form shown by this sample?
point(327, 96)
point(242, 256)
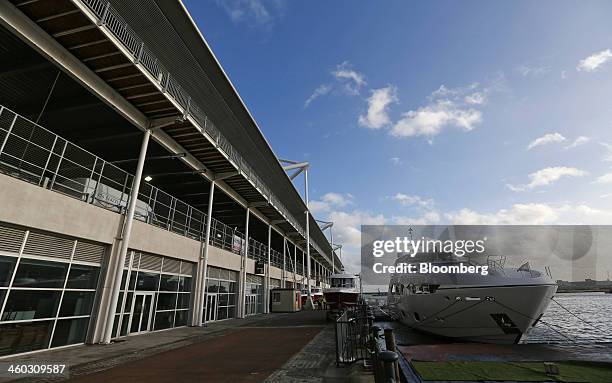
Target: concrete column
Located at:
point(267, 289)
point(243, 266)
point(200, 307)
point(108, 269)
point(125, 239)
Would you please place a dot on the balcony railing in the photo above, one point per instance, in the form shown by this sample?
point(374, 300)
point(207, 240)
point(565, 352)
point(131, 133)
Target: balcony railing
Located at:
point(109, 17)
point(36, 155)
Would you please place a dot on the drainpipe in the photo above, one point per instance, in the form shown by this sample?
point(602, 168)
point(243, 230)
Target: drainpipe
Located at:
point(125, 238)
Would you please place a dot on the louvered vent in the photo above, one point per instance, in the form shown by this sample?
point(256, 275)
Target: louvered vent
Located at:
point(128, 256)
point(11, 239)
point(150, 262)
point(186, 268)
point(89, 252)
point(171, 266)
point(254, 279)
point(48, 246)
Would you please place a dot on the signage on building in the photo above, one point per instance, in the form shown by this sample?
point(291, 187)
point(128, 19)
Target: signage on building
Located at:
point(259, 267)
point(238, 245)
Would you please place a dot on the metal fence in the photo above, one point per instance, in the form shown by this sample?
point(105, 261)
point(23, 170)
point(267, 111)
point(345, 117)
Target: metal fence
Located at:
point(110, 18)
point(36, 155)
point(354, 339)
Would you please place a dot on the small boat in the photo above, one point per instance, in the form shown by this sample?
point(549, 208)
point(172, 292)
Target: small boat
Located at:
point(343, 291)
point(499, 307)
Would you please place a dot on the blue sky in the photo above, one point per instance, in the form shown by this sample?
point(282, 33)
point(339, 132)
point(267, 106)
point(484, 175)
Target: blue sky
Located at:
point(430, 112)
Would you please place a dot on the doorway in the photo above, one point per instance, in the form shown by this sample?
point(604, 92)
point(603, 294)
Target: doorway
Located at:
point(251, 304)
point(141, 314)
point(211, 307)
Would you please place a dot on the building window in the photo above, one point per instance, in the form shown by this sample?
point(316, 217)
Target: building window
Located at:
point(276, 297)
point(222, 284)
point(47, 294)
point(40, 274)
point(167, 288)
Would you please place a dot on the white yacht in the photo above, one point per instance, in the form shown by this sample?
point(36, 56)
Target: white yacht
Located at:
point(499, 307)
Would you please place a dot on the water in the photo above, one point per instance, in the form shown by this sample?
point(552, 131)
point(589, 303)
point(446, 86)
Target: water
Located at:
point(595, 308)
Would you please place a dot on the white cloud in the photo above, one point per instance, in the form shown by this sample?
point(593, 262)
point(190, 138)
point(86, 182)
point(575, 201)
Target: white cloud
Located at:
point(396, 161)
point(546, 139)
point(255, 12)
point(605, 179)
point(329, 201)
point(533, 214)
point(428, 218)
point(595, 61)
point(475, 98)
point(431, 119)
point(412, 200)
point(526, 70)
point(608, 155)
point(447, 107)
point(337, 199)
point(321, 90)
point(378, 107)
point(581, 140)
point(548, 176)
point(351, 79)
point(347, 225)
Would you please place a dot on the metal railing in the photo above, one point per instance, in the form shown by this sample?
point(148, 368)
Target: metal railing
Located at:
point(34, 154)
point(110, 18)
point(353, 335)
point(276, 259)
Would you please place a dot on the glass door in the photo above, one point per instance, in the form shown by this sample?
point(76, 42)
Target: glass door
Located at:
point(142, 312)
point(211, 307)
point(251, 304)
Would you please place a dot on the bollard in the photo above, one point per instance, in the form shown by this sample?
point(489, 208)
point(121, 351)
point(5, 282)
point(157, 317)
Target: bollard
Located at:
point(375, 330)
point(388, 360)
point(376, 363)
point(391, 346)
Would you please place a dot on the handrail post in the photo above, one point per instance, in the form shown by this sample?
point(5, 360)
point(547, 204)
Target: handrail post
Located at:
point(59, 163)
point(102, 20)
point(8, 133)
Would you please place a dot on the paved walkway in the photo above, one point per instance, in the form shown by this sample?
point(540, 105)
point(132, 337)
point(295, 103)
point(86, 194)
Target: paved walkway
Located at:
point(241, 350)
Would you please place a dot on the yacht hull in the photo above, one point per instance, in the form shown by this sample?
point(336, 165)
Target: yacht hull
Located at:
point(488, 314)
point(338, 299)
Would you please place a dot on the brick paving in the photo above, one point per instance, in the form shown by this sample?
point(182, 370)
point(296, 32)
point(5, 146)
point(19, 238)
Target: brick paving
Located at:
point(238, 350)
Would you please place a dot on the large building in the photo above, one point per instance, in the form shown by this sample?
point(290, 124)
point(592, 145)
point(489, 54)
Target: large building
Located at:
point(137, 192)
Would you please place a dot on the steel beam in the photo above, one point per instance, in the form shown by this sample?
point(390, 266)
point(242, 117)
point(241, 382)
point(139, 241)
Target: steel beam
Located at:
point(125, 238)
point(243, 267)
point(267, 289)
point(201, 304)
